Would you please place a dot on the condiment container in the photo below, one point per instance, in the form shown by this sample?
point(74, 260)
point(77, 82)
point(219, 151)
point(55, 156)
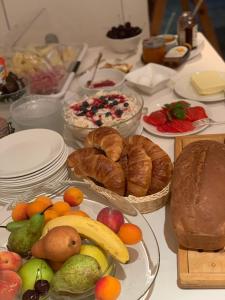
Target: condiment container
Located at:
point(154, 50)
point(187, 29)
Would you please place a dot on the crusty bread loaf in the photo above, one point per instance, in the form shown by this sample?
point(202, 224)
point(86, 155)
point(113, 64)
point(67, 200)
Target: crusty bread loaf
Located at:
point(198, 196)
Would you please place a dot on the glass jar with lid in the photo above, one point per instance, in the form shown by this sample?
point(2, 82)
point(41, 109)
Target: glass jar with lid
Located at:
point(187, 30)
point(153, 50)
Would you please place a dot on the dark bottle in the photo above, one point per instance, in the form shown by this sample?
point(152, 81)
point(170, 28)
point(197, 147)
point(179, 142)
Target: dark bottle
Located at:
point(187, 30)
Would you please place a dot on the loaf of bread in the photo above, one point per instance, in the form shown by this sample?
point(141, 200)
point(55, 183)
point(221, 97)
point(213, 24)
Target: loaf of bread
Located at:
point(198, 196)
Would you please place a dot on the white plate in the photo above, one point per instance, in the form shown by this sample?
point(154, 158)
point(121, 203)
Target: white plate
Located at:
point(27, 151)
point(184, 88)
point(157, 105)
point(137, 276)
point(36, 176)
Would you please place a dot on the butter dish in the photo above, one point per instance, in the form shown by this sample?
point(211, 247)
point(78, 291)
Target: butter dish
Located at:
point(151, 78)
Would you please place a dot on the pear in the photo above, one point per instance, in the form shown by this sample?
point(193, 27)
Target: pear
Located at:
point(24, 235)
point(78, 274)
point(58, 244)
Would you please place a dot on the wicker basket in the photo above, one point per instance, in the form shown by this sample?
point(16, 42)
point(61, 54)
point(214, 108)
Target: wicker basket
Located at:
point(144, 204)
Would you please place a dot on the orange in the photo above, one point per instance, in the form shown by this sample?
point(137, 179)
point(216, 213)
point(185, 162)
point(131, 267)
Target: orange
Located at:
point(73, 196)
point(130, 234)
point(76, 213)
point(107, 288)
point(45, 200)
point(19, 212)
point(50, 214)
point(35, 207)
point(61, 207)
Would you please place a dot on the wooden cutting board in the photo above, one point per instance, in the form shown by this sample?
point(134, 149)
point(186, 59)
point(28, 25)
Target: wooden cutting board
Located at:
point(199, 269)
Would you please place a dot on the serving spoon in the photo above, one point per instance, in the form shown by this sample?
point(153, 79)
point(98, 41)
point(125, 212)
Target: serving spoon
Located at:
point(89, 82)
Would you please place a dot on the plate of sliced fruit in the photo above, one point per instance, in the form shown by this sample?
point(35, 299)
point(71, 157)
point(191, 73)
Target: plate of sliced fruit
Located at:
point(74, 247)
point(170, 118)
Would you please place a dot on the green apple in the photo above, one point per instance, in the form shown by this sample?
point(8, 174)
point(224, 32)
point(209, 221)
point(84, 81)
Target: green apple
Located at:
point(33, 270)
point(97, 253)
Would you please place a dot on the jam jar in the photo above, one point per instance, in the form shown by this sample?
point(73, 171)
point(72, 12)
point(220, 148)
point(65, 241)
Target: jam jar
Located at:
point(154, 50)
point(187, 30)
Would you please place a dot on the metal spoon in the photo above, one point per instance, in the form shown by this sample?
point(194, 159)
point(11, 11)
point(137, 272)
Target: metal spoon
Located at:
point(89, 82)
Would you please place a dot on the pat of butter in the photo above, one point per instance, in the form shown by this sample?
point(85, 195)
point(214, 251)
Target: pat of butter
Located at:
point(208, 82)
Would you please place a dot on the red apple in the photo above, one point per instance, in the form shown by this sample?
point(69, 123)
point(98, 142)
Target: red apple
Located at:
point(10, 284)
point(10, 261)
point(111, 217)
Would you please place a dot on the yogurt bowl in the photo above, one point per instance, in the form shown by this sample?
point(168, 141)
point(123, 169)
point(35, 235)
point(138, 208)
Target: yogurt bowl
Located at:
point(119, 109)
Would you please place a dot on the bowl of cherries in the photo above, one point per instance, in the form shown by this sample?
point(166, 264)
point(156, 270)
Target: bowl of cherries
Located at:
point(124, 38)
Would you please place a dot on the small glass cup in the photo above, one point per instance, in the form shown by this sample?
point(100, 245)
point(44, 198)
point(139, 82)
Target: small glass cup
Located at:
point(154, 50)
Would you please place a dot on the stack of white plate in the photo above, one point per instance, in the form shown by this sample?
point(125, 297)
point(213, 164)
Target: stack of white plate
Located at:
point(29, 160)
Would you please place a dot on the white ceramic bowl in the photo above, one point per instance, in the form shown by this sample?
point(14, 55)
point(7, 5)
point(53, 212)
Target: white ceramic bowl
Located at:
point(102, 74)
point(124, 45)
point(150, 78)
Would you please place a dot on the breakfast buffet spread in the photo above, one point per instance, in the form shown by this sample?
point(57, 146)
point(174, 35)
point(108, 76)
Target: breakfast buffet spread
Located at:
point(72, 225)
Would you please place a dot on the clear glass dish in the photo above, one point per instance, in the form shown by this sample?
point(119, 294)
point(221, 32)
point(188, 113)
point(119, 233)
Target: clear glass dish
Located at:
point(126, 127)
point(144, 256)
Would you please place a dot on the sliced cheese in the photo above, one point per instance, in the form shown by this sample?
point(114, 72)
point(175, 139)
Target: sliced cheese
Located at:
point(208, 82)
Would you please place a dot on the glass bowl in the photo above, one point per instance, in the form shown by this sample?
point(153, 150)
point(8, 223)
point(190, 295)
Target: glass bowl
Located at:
point(126, 126)
point(37, 112)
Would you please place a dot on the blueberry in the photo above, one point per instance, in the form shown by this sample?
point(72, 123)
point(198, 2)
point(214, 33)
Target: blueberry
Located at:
point(126, 104)
point(98, 123)
point(108, 114)
point(94, 109)
point(115, 102)
point(101, 106)
point(118, 112)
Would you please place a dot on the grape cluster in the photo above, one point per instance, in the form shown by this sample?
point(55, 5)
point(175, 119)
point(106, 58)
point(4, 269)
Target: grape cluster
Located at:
point(41, 288)
point(123, 31)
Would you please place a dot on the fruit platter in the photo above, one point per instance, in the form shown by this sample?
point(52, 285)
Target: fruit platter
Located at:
point(74, 247)
point(171, 118)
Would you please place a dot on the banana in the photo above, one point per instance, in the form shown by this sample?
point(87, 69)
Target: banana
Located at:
point(95, 231)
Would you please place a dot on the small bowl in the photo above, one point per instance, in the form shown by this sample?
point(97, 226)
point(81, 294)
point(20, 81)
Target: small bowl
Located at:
point(116, 76)
point(170, 40)
point(11, 97)
point(37, 112)
point(126, 127)
point(124, 45)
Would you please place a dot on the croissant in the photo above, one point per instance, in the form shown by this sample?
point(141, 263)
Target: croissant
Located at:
point(161, 163)
point(100, 168)
point(139, 171)
point(73, 157)
point(107, 139)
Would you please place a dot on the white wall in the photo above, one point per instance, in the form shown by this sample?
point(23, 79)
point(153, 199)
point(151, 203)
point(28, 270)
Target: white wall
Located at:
point(75, 20)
